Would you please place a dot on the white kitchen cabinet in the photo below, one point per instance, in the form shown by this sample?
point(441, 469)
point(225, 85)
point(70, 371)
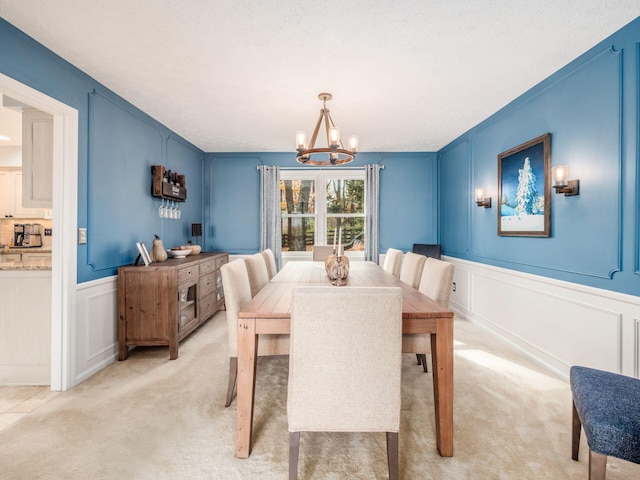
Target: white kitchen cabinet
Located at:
point(10, 257)
point(29, 256)
point(37, 159)
point(11, 204)
point(6, 197)
point(25, 323)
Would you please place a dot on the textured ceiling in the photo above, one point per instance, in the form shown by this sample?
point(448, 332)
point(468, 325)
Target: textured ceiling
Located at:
point(244, 75)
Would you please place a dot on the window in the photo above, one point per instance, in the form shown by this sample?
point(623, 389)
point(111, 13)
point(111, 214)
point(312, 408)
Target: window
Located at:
point(316, 204)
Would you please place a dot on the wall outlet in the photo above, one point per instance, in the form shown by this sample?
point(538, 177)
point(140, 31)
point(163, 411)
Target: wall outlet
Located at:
point(82, 236)
point(454, 286)
point(47, 232)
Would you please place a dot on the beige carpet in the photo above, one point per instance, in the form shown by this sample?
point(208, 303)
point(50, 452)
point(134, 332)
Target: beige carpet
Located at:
point(152, 418)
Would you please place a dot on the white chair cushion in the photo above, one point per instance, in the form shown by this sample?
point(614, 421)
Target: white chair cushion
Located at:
point(411, 270)
point(393, 261)
point(270, 262)
point(257, 270)
point(345, 360)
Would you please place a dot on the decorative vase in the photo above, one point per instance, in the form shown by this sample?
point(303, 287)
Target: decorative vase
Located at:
point(337, 268)
point(195, 249)
point(158, 253)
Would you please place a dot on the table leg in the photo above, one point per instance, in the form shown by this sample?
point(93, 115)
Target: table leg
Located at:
point(442, 360)
point(247, 357)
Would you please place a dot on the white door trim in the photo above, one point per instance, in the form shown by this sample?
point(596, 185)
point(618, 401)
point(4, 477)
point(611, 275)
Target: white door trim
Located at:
point(65, 222)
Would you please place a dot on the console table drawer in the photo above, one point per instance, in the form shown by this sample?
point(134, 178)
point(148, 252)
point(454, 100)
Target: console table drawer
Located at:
point(188, 274)
point(208, 267)
point(207, 284)
point(208, 306)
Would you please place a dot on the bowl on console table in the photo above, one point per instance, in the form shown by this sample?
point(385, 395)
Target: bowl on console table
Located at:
point(179, 253)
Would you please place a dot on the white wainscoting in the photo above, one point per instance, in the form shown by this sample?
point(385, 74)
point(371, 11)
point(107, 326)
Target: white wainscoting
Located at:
point(96, 334)
point(558, 323)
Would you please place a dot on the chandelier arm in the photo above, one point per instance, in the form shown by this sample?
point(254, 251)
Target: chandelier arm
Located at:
point(328, 150)
point(307, 157)
point(312, 143)
point(325, 113)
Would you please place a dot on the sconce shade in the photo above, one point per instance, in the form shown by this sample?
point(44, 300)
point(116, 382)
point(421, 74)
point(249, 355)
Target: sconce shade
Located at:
point(481, 200)
point(560, 175)
point(561, 182)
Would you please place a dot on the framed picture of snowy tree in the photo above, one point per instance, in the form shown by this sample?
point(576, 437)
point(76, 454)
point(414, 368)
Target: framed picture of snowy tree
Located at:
point(523, 189)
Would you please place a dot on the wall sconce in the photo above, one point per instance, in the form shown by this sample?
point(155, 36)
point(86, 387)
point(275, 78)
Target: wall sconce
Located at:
point(481, 201)
point(561, 184)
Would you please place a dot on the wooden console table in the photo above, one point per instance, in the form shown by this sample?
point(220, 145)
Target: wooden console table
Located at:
point(164, 302)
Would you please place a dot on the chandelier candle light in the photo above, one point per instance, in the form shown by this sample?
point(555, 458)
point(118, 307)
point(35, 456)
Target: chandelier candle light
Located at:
point(337, 265)
point(334, 153)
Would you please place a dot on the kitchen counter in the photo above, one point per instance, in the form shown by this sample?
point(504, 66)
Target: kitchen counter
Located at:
point(25, 259)
point(25, 250)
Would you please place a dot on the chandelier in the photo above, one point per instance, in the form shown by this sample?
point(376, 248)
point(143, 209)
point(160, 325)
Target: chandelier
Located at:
point(334, 153)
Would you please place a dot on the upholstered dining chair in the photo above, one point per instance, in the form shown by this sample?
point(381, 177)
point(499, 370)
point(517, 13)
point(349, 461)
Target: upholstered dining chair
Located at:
point(340, 387)
point(393, 261)
point(257, 270)
point(237, 293)
point(411, 269)
point(436, 283)
point(607, 405)
point(321, 252)
point(270, 262)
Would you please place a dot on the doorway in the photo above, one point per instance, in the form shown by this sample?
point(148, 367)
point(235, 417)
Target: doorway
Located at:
point(65, 218)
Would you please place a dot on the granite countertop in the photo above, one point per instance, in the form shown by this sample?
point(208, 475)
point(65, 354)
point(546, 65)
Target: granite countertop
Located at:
point(25, 250)
point(29, 265)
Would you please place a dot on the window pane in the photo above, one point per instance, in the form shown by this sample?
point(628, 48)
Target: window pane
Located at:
point(345, 196)
point(297, 196)
point(297, 234)
point(352, 232)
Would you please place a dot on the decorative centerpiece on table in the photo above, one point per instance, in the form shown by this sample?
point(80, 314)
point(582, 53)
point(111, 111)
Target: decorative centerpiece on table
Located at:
point(337, 265)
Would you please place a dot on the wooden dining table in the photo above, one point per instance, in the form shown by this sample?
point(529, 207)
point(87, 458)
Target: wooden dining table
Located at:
point(269, 312)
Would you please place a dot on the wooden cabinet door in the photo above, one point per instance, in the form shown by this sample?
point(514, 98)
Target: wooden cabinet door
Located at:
point(149, 309)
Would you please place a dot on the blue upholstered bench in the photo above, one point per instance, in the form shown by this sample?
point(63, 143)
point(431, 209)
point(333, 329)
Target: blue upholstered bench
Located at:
point(607, 405)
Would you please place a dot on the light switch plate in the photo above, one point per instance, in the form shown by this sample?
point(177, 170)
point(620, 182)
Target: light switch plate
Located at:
point(82, 236)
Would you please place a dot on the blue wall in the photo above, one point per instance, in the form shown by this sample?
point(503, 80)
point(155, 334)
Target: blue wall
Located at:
point(408, 198)
point(117, 144)
point(591, 109)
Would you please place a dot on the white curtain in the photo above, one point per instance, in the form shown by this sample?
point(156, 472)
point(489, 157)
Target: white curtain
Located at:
point(270, 225)
point(372, 214)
